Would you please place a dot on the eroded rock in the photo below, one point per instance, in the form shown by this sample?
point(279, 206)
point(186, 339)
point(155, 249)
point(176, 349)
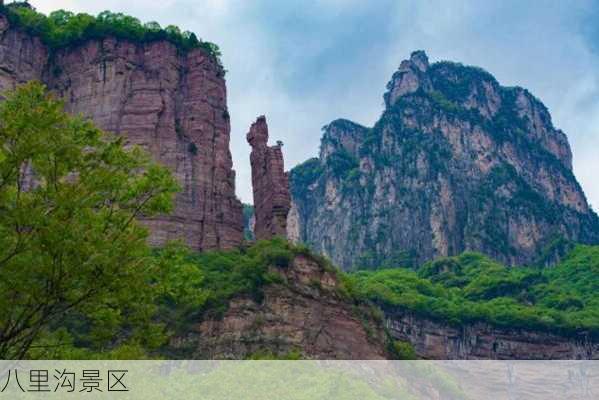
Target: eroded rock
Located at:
point(272, 201)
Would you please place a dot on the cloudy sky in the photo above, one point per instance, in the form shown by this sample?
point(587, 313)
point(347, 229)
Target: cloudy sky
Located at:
point(305, 63)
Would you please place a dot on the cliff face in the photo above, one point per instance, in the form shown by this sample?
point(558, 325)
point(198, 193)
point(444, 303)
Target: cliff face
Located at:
point(172, 104)
point(22, 57)
point(270, 184)
point(455, 163)
point(439, 341)
point(305, 313)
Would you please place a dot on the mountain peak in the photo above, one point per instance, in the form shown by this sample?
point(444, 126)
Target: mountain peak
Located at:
point(409, 77)
point(419, 59)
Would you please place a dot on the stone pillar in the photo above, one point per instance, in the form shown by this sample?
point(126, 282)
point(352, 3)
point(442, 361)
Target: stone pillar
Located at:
point(270, 183)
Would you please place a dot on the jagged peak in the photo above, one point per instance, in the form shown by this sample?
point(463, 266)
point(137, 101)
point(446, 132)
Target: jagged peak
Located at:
point(258, 133)
point(419, 59)
point(409, 77)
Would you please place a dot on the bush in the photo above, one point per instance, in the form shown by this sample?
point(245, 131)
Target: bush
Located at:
point(278, 257)
point(400, 350)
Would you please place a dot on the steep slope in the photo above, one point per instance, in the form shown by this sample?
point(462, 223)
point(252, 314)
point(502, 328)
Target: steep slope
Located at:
point(283, 301)
point(456, 162)
point(171, 102)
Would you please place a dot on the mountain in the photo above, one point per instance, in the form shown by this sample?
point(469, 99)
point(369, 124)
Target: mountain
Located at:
point(166, 93)
point(276, 299)
point(455, 163)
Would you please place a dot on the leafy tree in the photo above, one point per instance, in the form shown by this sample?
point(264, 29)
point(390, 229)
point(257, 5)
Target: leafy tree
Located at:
point(70, 244)
point(152, 26)
point(63, 28)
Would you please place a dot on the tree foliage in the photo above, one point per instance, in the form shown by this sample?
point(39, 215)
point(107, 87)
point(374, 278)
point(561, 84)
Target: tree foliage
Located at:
point(63, 28)
point(176, 289)
point(69, 240)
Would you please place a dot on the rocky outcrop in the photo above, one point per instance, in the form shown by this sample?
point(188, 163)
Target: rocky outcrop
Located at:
point(270, 183)
point(456, 163)
point(436, 340)
point(306, 312)
point(171, 103)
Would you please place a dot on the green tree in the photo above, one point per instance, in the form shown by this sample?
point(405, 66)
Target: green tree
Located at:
point(63, 28)
point(70, 243)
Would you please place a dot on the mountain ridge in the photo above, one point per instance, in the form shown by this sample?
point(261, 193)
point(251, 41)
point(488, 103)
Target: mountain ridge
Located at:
point(456, 160)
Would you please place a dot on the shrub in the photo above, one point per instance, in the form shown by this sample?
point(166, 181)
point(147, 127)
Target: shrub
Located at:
point(400, 350)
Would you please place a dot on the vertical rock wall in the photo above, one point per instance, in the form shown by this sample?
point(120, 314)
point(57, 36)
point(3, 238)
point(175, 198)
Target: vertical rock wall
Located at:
point(438, 340)
point(270, 183)
point(22, 57)
point(169, 102)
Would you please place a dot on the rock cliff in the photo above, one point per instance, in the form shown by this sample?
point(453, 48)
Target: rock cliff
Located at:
point(306, 312)
point(456, 162)
point(171, 103)
point(270, 184)
point(439, 341)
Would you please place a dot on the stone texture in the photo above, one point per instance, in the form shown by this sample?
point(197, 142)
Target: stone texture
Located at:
point(172, 104)
point(304, 313)
point(22, 57)
point(270, 183)
point(456, 163)
point(436, 340)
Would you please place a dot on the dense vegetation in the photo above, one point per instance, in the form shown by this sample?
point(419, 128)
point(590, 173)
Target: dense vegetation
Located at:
point(69, 242)
point(183, 288)
point(471, 287)
point(457, 290)
point(63, 28)
point(306, 173)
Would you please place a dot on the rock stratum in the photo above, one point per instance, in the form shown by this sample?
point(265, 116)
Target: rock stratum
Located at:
point(305, 312)
point(437, 340)
point(456, 163)
point(269, 182)
point(171, 103)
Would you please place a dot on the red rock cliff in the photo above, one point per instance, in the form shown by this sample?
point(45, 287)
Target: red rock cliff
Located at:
point(173, 104)
point(270, 183)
